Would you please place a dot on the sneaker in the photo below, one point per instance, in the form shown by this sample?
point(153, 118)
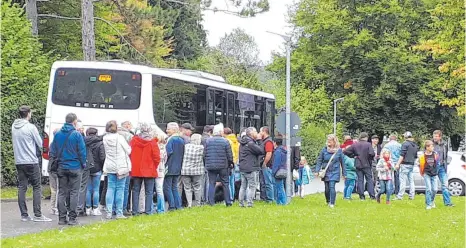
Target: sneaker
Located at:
point(42, 219)
point(73, 222)
point(450, 205)
point(82, 214)
point(108, 217)
point(26, 218)
point(127, 213)
point(119, 217)
point(101, 207)
point(88, 211)
point(428, 208)
point(54, 211)
point(433, 205)
point(62, 222)
point(331, 206)
point(96, 212)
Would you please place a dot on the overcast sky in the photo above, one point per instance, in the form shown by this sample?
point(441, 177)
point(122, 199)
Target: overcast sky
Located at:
point(275, 20)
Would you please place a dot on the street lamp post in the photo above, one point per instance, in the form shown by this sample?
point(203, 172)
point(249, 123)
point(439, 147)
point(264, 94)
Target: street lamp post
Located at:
point(335, 114)
point(287, 112)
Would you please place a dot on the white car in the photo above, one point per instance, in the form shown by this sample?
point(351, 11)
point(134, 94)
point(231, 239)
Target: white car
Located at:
point(456, 175)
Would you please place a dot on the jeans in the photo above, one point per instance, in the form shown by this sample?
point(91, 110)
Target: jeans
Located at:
point(53, 181)
point(82, 191)
point(269, 182)
point(69, 182)
point(431, 189)
point(192, 184)
point(386, 187)
point(330, 192)
point(406, 173)
point(365, 173)
point(170, 189)
point(248, 181)
point(160, 196)
point(232, 180)
point(223, 174)
point(93, 186)
point(443, 176)
point(149, 192)
point(115, 193)
point(280, 191)
point(26, 173)
point(349, 187)
point(126, 194)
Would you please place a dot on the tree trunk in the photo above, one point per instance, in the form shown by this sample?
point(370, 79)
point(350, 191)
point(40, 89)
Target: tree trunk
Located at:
point(31, 13)
point(87, 25)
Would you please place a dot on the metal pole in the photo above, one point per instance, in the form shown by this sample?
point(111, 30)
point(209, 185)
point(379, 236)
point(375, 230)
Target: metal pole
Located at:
point(288, 120)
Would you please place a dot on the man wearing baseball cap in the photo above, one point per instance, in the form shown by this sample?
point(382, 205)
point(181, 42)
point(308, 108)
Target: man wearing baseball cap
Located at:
point(405, 165)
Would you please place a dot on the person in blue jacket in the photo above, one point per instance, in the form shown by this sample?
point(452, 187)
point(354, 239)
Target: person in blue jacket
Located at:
point(71, 163)
point(332, 175)
point(175, 154)
point(279, 162)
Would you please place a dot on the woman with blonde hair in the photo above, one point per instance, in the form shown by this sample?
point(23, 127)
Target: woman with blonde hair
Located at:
point(162, 138)
point(329, 161)
point(117, 166)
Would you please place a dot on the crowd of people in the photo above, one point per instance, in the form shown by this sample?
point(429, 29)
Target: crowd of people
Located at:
point(145, 169)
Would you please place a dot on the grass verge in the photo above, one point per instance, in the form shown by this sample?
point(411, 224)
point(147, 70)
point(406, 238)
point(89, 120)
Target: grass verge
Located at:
point(305, 222)
point(12, 192)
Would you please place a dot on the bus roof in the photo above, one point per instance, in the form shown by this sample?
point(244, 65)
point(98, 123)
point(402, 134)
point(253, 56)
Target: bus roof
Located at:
point(184, 75)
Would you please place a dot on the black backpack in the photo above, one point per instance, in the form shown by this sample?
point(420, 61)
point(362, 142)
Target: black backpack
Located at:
point(90, 162)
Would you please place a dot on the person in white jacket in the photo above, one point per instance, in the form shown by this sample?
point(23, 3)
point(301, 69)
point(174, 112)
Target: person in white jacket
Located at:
point(117, 167)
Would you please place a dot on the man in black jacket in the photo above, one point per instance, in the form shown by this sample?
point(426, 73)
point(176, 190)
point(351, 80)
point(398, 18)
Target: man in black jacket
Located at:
point(405, 164)
point(363, 155)
point(249, 165)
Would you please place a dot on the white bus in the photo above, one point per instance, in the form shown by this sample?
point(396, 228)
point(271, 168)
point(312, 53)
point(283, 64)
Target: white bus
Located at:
point(98, 92)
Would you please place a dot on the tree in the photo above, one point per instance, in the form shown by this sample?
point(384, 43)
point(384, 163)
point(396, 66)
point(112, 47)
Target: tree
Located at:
point(31, 12)
point(87, 27)
point(241, 47)
point(24, 79)
point(444, 44)
point(247, 8)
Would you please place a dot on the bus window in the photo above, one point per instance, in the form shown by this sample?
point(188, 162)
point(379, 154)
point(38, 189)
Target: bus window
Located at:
point(269, 115)
point(97, 88)
point(174, 101)
point(219, 107)
point(231, 110)
point(245, 111)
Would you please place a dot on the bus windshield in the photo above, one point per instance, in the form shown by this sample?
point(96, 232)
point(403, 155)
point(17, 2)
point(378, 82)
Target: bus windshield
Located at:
point(97, 88)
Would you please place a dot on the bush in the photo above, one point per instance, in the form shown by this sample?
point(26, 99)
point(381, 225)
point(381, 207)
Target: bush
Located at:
point(25, 71)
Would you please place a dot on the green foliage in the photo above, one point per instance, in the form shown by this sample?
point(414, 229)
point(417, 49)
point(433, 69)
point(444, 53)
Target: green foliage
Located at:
point(304, 222)
point(25, 71)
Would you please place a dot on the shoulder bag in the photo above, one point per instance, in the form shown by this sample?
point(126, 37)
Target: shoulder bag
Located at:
point(54, 162)
point(323, 171)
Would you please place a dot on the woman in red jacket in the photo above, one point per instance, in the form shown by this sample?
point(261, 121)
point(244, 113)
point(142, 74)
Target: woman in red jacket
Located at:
point(145, 159)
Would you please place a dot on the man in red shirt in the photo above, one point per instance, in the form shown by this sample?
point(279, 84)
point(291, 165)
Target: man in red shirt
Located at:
point(266, 166)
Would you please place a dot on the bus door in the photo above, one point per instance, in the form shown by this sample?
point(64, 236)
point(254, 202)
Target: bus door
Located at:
point(215, 106)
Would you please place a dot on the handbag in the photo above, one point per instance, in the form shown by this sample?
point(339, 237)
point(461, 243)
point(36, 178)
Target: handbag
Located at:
point(54, 161)
point(323, 171)
point(281, 173)
point(295, 174)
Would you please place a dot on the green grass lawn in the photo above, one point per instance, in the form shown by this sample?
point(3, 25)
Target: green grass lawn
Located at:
point(305, 223)
point(12, 192)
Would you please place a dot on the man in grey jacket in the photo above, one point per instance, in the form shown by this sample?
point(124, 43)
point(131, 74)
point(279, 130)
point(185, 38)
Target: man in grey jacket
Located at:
point(26, 139)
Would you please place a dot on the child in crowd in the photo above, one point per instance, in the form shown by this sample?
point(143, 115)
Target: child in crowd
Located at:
point(351, 177)
point(305, 175)
point(385, 174)
point(428, 166)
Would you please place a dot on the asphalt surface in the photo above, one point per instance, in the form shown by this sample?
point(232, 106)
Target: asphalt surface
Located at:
point(12, 226)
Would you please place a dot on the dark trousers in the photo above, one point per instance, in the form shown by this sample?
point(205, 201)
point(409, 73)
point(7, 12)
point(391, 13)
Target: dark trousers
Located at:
point(397, 183)
point(224, 178)
point(365, 173)
point(69, 182)
point(263, 189)
point(149, 184)
point(330, 192)
point(29, 173)
point(82, 191)
point(103, 191)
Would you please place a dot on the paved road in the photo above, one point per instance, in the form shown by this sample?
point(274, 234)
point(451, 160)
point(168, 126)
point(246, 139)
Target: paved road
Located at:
point(11, 224)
